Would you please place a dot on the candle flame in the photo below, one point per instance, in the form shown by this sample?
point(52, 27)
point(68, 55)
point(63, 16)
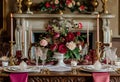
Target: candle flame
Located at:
point(11, 15)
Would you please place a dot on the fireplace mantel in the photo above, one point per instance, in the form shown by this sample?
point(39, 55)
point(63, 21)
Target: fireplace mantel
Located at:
point(26, 24)
point(91, 16)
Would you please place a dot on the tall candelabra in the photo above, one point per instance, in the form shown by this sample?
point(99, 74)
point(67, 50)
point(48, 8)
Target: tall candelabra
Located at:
point(98, 41)
point(11, 57)
point(11, 42)
point(28, 3)
point(104, 6)
point(19, 2)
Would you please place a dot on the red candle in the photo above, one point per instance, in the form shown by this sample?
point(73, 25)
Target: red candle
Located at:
point(11, 27)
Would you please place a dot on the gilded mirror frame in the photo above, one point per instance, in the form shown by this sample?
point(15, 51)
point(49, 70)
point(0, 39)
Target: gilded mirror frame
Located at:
point(3, 15)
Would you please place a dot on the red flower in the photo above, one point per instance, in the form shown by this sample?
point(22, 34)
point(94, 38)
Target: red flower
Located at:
point(56, 35)
point(70, 37)
point(48, 27)
point(78, 33)
point(53, 6)
point(62, 48)
point(53, 47)
point(47, 4)
point(80, 25)
point(82, 7)
point(68, 1)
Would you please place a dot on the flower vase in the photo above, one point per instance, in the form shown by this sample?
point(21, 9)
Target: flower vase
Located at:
point(60, 58)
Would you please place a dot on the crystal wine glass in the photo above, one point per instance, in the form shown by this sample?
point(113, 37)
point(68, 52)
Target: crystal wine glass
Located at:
point(113, 56)
point(43, 56)
point(37, 52)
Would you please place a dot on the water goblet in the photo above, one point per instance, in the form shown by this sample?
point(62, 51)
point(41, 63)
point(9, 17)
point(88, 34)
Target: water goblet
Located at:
point(37, 52)
point(113, 55)
point(43, 56)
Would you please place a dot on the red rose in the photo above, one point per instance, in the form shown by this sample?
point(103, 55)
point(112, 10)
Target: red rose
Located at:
point(53, 6)
point(78, 33)
point(80, 25)
point(48, 27)
point(68, 1)
point(56, 35)
point(82, 7)
point(47, 4)
point(53, 47)
point(70, 37)
point(62, 48)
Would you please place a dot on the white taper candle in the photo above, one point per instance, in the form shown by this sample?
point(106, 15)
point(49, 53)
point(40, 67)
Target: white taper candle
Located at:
point(11, 27)
point(98, 27)
point(88, 33)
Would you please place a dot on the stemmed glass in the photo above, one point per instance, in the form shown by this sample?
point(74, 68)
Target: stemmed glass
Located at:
point(43, 56)
point(37, 52)
point(113, 56)
point(42, 53)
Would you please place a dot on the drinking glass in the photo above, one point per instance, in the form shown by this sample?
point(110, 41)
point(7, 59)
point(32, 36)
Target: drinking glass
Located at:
point(37, 52)
point(113, 55)
point(43, 56)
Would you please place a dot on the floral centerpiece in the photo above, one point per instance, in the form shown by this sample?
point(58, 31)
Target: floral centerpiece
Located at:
point(59, 38)
point(53, 6)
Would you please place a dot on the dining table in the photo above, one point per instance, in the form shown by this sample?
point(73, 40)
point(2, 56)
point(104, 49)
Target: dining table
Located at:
point(75, 74)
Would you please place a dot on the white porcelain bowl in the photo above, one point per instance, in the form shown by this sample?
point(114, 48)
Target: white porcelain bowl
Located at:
point(4, 63)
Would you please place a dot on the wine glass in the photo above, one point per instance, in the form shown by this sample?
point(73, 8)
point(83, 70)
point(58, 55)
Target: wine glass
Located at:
point(37, 52)
point(113, 56)
point(43, 56)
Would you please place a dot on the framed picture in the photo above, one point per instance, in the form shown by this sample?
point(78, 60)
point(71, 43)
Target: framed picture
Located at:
point(3, 15)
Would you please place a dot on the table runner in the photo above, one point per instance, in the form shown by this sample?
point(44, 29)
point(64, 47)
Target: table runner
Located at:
point(101, 77)
point(19, 77)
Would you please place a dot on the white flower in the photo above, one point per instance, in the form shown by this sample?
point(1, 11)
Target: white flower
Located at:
point(80, 47)
point(78, 3)
point(70, 5)
point(71, 45)
point(56, 1)
point(43, 42)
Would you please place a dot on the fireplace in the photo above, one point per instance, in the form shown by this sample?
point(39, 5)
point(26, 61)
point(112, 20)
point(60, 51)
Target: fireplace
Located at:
point(31, 25)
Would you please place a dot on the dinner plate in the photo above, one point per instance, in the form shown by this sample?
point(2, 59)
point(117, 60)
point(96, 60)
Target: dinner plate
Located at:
point(91, 68)
point(17, 69)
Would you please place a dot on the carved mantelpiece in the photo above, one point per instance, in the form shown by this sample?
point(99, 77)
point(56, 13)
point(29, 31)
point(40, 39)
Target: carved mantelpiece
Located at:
point(27, 24)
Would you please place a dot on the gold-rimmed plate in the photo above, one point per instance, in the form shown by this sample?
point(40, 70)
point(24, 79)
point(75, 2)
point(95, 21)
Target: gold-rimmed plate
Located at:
point(17, 69)
point(90, 68)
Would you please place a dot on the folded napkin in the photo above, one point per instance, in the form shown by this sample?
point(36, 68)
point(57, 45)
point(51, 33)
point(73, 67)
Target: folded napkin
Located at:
point(101, 77)
point(19, 77)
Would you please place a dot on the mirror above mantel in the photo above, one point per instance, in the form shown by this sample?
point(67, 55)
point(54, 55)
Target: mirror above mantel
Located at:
point(27, 24)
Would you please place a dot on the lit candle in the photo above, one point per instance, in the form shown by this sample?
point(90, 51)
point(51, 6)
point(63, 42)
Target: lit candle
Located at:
point(11, 27)
point(98, 28)
point(88, 33)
